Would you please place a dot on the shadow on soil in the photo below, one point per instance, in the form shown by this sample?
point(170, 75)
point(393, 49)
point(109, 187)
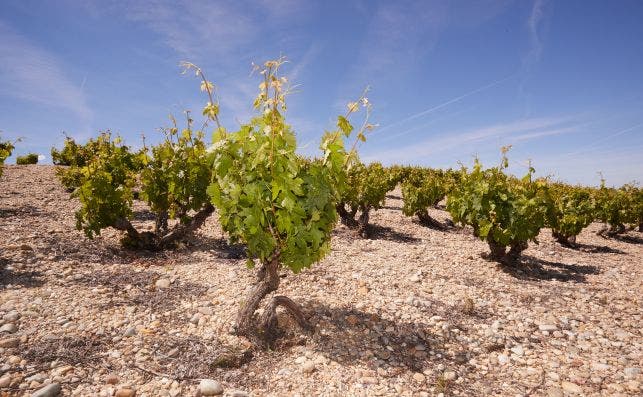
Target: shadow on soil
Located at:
point(535, 269)
point(137, 288)
point(596, 249)
point(25, 279)
point(351, 336)
point(626, 238)
point(377, 232)
point(24, 211)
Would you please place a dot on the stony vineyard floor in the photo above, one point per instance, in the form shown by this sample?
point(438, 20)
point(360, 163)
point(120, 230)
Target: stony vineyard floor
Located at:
point(409, 312)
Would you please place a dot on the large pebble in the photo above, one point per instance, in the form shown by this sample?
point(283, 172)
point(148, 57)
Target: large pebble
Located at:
point(209, 387)
point(162, 283)
point(51, 390)
point(9, 328)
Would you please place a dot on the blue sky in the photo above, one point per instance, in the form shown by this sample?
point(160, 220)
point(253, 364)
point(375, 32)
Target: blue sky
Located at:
point(560, 81)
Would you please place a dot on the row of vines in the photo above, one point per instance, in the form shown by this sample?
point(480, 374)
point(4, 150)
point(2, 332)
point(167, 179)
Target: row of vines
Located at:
point(283, 206)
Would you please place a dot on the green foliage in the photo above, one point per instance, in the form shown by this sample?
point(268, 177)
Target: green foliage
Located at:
point(172, 176)
point(573, 210)
point(176, 174)
point(365, 190)
point(618, 207)
point(105, 186)
point(73, 157)
point(422, 188)
point(6, 147)
point(31, 158)
point(267, 197)
point(502, 210)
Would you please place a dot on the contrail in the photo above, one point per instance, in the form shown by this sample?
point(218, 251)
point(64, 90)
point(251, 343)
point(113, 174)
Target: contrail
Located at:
point(447, 103)
point(617, 133)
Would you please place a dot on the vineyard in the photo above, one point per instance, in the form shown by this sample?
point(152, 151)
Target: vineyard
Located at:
point(237, 266)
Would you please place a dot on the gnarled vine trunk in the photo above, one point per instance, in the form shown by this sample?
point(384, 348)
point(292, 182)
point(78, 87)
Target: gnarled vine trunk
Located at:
point(347, 218)
point(261, 331)
point(158, 241)
point(611, 231)
point(428, 221)
point(567, 241)
point(362, 222)
point(499, 253)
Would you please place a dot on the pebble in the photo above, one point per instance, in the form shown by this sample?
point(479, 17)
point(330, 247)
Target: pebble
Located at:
point(570, 387)
point(450, 375)
point(131, 331)
point(5, 381)
point(125, 392)
point(631, 372)
point(209, 387)
point(238, 393)
point(9, 328)
point(11, 316)
point(518, 350)
point(547, 327)
point(162, 283)
point(111, 379)
point(9, 342)
point(419, 377)
point(308, 367)
point(50, 390)
point(503, 359)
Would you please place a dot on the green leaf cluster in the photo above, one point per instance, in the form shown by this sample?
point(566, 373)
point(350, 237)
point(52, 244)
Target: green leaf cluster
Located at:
point(31, 158)
point(619, 207)
point(6, 148)
point(105, 185)
point(176, 174)
point(573, 209)
point(504, 211)
point(271, 199)
point(422, 188)
point(366, 187)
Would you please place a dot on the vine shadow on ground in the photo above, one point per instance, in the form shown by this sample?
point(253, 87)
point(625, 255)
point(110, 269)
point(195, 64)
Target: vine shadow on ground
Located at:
point(596, 249)
point(534, 269)
point(22, 211)
point(626, 238)
point(351, 336)
point(26, 279)
point(142, 291)
point(377, 232)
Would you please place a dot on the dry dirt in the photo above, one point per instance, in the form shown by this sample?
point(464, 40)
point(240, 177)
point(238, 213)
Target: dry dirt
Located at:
point(410, 311)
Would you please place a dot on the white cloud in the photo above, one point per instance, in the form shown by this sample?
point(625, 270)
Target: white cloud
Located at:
point(515, 131)
point(33, 74)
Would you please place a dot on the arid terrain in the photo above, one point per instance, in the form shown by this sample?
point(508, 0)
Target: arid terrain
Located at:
point(411, 311)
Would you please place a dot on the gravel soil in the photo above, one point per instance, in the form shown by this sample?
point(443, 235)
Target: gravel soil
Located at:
point(410, 311)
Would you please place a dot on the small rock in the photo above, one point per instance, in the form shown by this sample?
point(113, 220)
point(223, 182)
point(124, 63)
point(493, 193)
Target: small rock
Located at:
point(518, 350)
point(450, 375)
point(308, 367)
point(11, 316)
point(5, 381)
point(570, 387)
point(554, 392)
point(131, 331)
point(414, 278)
point(547, 327)
point(50, 390)
point(238, 393)
point(209, 387)
point(600, 366)
point(162, 283)
point(419, 377)
point(125, 392)
point(9, 328)
point(631, 372)
point(111, 379)
point(9, 342)
point(205, 310)
point(503, 359)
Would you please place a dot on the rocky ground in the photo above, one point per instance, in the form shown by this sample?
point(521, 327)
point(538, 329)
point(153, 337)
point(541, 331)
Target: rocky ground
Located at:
point(410, 311)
